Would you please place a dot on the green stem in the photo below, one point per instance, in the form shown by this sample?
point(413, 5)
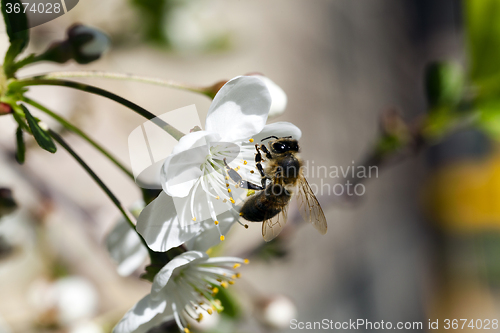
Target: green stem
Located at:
point(80, 133)
point(126, 77)
point(26, 61)
point(126, 214)
point(16, 85)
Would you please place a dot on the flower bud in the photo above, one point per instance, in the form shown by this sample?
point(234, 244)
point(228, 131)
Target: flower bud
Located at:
point(5, 109)
point(88, 43)
point(83, 44)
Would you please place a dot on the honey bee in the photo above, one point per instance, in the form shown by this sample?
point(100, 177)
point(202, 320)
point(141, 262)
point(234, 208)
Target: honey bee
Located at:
point(281, 180)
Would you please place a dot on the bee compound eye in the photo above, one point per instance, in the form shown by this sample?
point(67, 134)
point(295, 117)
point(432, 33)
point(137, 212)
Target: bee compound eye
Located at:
point(279, 147)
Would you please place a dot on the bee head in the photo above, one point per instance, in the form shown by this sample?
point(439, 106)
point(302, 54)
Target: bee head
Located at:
point(284, 145)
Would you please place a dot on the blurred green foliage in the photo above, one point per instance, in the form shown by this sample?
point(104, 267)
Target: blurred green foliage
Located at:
point(483, 38)
point(153, 12)
point(17, 30)
point(483, 48)
point(444, 84)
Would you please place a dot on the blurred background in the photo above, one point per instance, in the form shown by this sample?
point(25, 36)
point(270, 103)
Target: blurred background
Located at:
point(422, 242)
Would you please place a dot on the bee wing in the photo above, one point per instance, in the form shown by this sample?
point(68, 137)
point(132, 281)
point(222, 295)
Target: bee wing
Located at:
point(273, 226)
point(309, 207)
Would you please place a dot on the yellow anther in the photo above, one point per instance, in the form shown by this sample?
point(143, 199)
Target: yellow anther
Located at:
point(200, 317)
point(217, 197)
point(251, 171)
point(215, 290)
point(236, 265)
point(246, 261)
point(216, 222)
point(219, 280)
point(224, 284)
point(251, 140)
point(232, 200)
point(237, 168)
point(229, 190)
point(230, 282)
point(186, 330)
point(227, 185)
point(238, 275)
point(241, 214)
point(227, 177)
point(245, 162)
point(246, 226)
point(194, 219)
point(222, 238)
point(210, 311)
point(225, 200)
point(233, 276)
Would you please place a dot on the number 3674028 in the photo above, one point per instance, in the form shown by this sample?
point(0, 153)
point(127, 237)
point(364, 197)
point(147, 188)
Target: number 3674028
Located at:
point(42, 8)
point(485, 324)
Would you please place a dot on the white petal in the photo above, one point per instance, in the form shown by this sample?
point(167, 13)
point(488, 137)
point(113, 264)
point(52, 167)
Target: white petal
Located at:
point(195, 139)
point(279, 129)
point(126, 248)
point(240, 109)
point(210, 237)
point(278, 97)
point(159, 226)
point(145, 315)
point(163, 277)
point(196, 205)
point(182, 168)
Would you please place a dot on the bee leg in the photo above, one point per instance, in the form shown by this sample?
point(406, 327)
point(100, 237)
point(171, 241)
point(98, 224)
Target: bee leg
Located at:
point(266, 151)
point(264, 177)
point(258, 160)
point(251, 186)
point(235, 176)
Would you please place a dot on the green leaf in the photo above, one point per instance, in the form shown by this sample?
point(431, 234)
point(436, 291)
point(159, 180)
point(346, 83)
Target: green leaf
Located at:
point(483, 37)
point(17, 29)
point(41, 136)
point(21, 147)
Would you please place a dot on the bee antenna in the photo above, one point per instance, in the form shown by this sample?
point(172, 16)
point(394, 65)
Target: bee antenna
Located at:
point(272, 136)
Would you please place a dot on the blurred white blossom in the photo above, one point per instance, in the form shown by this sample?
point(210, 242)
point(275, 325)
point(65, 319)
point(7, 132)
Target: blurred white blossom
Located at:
point(72, 299)
point(276, 311)
point(193, 26)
